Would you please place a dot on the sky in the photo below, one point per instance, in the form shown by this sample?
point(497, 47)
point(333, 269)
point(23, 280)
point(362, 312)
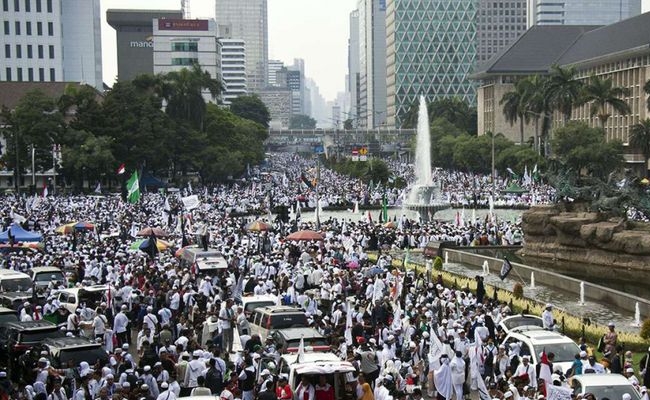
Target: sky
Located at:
point(315, 30)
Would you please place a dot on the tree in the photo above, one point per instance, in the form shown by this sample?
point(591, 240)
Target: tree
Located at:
point(584, 150)
point(455, 110)
point(646, 89)
point(515, 107)
point(252, 108)
point(563, 90)
point(603, 93)
point(538, 106)
point(640, 138)
point(301, 121)
point(348, 124)
point(87, 157)
point(183, 91)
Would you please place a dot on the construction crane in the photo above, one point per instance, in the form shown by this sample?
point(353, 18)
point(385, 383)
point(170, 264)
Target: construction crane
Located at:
point(185, 9)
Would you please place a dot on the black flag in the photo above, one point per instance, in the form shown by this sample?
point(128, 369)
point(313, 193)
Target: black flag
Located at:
point(505, 269)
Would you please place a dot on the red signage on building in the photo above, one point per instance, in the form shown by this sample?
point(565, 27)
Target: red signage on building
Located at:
point(183, 24)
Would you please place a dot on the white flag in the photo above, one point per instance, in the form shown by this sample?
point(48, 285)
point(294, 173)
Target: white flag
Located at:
point(191, 202)
point(348, 325)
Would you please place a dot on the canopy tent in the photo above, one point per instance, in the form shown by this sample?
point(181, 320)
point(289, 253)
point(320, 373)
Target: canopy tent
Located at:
point(149, 181)
point(20, 235)
point(513, 188)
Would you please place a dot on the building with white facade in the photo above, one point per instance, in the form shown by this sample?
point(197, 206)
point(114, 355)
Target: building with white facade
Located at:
point(353, 76)
point(372, 62)
point(581, 12)
point(180, 43)
point(233, 69)
point(274, 67)
point(51, 41)
point(248, 20)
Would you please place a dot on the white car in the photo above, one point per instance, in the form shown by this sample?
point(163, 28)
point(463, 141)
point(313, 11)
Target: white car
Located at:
point(91, 296)
point(533, 342)
point(521, 322)
point(611, 386)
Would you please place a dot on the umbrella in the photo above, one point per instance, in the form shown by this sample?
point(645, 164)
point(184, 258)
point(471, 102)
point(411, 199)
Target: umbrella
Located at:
point(144, 243)
point(390, 224)
point(185, 253)
point(305, 235)
point(258, 226)
point(148, 231)
point(72, 226)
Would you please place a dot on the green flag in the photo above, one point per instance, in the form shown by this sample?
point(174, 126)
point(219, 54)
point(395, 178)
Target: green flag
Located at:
point(384, 208)
point(133, 188)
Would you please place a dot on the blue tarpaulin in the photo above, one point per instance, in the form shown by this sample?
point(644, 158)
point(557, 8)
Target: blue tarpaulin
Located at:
point(20, 235)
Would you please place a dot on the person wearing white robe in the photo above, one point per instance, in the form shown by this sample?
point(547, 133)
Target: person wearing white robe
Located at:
point(442, 379)
point(457, 366)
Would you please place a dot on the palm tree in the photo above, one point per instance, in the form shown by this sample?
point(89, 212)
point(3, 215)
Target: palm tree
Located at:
point(563, 90)
point(183, 91)
point(515, 107)
point(602, 92)
point(640, 138)
point(537, 105)
point(646, 89)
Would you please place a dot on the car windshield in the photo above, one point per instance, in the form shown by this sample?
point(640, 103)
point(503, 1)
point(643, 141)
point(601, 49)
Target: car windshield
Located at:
point(564, 352)
point(16, 284)
point(39, 335)
point(49, 276)
point(308, 342)
point(77, 355)
point(92, 299)
point(513, 322)
point(612, 392)
point(8, 317)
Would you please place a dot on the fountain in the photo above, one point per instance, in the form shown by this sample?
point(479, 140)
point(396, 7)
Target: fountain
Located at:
point(424, 197)
point(532, 280)
point(637, 315)
point(582, 294)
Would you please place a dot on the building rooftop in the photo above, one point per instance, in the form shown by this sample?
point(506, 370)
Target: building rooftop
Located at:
point(120, 17)
point(544, 45)
point(12, 92)
point(534, 52)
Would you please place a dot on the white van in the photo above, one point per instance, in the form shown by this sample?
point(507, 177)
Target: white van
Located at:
point(14, 281)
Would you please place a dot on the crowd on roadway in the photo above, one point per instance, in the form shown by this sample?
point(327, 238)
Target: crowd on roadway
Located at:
point(171, 330)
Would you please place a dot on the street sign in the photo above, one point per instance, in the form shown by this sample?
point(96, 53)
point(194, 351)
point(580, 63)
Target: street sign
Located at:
point(355, 154)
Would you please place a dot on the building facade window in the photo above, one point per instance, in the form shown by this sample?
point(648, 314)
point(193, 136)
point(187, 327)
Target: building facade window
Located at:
point(40, 51)
point(30, 74)
point(19, 74)
point(38, 6)
point(6, 24)
point(185, 46)
point(7, 51)
point(184, 61)
point(19, 51)
point(16, 5)
point(5, 5)
point(49, 6)
point(17, 28)
point(8, 74)
point(28, 6)
point(50, 29)
point(52, 75)
point(30, 53)
point(28, 28)
point(39, 28)
point(51, 51)
point(41, 74)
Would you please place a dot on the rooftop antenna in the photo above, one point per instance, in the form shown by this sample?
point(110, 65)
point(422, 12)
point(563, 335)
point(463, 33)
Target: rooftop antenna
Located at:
point(185, 9)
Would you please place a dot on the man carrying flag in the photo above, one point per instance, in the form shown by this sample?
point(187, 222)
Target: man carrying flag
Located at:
point(133, 188)
point(545, 372)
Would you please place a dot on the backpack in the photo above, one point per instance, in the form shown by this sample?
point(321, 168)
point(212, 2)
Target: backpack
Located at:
point(214, 380)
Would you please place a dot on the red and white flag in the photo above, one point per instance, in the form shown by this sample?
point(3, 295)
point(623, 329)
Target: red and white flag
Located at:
point(121, 169)
point(45, 189)
point(545, 371)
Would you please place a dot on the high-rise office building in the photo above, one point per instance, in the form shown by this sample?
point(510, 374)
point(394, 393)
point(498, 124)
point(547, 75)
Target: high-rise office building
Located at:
point(248, 20)
point(498, 24)
point(51, 41)
point(353, 77)
point(233, 69)
point(581, 12)
point(273, 68)
point(134, 29)
point(372, 62)
point(181, 43)
point(431, 50)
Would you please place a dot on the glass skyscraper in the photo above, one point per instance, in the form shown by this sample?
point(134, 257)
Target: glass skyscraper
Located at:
point(581, 12)
point(431, 50)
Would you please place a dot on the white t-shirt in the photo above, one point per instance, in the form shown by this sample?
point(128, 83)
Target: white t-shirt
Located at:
point(99, 323)
point(225, 313)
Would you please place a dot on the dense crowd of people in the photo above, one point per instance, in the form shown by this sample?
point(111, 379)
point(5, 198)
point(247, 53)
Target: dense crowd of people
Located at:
point(407, 336)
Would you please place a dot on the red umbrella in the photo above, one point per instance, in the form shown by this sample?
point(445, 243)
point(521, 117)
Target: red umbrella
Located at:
point(305, 235)
point(148, 231)
point(258, 226)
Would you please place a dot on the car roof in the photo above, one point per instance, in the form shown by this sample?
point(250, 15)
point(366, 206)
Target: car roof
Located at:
point(541, 336)
point(45, 269)
point(311, 357)
point(261, 297)
point(297, 333)
point(90, 288)
point(279, 309)
point(70, 341)
point(5, 310)
point(9, 273)
point(602, 380)
point(31, 325)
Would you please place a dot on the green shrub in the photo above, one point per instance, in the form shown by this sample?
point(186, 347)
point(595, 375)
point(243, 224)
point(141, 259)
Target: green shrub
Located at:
point(437, 264)
point(518, 291)
point(645, 329)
